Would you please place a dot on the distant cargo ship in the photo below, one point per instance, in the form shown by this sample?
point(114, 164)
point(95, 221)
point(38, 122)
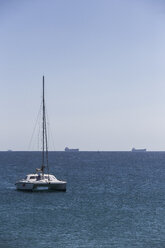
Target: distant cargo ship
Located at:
point(71, 150)
point(138, 150)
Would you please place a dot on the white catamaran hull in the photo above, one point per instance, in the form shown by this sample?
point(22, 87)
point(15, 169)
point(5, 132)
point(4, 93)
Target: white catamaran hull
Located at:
point(41, 186)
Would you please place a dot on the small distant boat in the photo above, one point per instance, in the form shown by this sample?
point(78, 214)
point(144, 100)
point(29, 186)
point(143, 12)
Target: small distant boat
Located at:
point(41, 180)
point(71, 150)
point(138, 150)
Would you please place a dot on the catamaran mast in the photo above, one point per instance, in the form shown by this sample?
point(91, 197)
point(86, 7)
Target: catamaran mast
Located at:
point(44, 135)
point(43, 129)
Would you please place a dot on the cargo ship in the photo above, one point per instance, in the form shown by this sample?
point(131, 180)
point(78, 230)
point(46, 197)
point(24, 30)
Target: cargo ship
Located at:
point(138, 150)
point(71, 150)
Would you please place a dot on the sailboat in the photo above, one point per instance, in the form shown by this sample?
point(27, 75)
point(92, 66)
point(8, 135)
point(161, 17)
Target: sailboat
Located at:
point(41, 180)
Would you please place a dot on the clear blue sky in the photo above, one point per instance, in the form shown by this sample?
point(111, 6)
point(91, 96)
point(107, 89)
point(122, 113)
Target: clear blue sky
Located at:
point(104, 67)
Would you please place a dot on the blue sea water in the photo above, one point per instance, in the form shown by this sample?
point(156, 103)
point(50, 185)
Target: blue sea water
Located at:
point(113, 199)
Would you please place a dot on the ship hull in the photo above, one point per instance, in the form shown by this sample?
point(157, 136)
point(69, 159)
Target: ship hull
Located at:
point(61, 186)
point(138, 150)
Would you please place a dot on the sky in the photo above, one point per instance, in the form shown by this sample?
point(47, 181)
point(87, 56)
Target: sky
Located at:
point(104, 68)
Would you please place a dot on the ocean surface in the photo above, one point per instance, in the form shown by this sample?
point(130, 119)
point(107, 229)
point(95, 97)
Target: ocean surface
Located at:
point(113, 199)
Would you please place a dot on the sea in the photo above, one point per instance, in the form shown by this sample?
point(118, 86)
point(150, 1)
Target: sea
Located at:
point(113, 200)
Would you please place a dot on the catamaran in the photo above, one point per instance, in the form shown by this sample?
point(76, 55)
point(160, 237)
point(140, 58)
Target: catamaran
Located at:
point(41, 180)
